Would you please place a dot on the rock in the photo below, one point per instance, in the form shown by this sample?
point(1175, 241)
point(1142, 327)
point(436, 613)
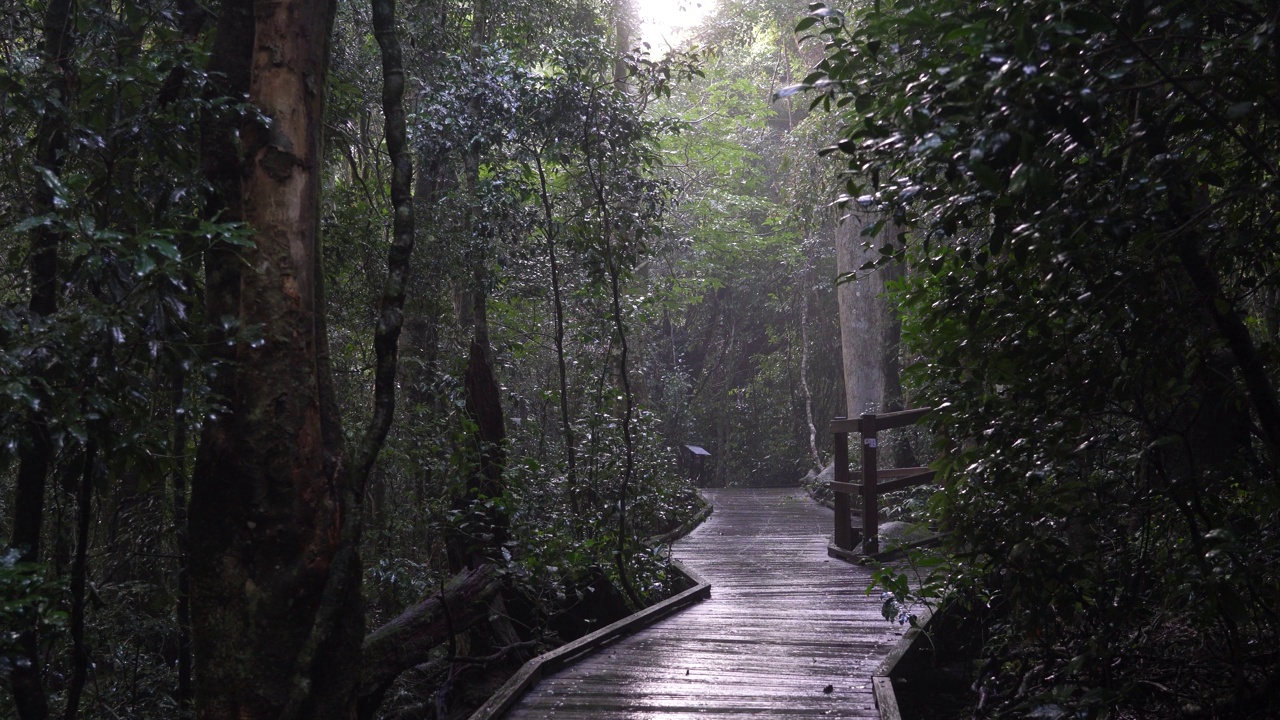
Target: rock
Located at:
point(828, 474)
point(902, 533)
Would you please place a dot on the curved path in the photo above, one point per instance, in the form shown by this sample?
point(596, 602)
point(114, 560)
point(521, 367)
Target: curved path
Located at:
point(783, 624)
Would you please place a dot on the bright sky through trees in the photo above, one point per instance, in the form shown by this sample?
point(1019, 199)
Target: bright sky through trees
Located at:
point(666, 23)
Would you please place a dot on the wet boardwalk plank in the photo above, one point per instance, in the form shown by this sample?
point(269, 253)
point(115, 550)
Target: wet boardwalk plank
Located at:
point(784, 621)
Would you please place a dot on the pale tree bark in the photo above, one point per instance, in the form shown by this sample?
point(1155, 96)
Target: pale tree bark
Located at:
point(862, 313)
point(814, 455)
point(270, 487)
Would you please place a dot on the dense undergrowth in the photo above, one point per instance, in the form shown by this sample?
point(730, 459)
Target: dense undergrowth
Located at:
point(1086, 196)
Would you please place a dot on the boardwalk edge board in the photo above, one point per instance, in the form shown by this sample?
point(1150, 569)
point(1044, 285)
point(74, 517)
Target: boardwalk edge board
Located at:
point(882, 680)
point(688, 527)
point(531, 672)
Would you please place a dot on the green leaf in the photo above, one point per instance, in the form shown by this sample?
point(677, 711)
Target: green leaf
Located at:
point(985, 176)
point(1018, 181)
point(1239, 110)
point(165, 248)
point(33, 222)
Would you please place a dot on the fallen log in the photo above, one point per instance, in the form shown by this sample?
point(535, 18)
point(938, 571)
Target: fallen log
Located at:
point(407, 640)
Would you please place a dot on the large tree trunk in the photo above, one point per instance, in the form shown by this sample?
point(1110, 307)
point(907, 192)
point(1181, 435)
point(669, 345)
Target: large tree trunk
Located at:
point(269, 490)
point(862, 313)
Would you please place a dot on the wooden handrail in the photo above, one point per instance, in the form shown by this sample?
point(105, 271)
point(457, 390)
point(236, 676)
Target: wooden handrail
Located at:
point(870, 488)
point(901, 418)
point(871, 424)
point(845, 425)
point(923, 478)
point(844, 487)
point(901, 472)
point(844, 511)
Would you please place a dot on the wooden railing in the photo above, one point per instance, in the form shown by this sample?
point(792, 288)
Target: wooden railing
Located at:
point(868, 426)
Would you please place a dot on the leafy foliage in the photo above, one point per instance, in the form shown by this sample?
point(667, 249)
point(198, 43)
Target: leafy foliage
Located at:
point(745, 255)
point(28, 599)
point(1087, 192)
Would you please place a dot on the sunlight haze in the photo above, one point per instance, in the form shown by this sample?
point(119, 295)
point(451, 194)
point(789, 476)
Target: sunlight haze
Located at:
point(668, 22)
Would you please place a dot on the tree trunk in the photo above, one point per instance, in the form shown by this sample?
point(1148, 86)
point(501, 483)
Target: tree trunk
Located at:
point(557, 305)
point(814, 455)
point(178, 482)
point(79, 580)
point(483, 404)
point(862, 315)
point(484, 407)
point(269, 493)
point(391, 315)
point(36, 456)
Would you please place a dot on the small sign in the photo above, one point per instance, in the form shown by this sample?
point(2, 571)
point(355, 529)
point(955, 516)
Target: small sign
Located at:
point(869, 442)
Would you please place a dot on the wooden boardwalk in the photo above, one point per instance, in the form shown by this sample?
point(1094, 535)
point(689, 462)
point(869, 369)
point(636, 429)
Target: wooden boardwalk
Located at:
point(784, 622)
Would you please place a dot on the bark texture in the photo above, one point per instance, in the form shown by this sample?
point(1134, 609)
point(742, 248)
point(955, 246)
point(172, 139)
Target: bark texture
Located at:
point(271, 636)
point(862, 313)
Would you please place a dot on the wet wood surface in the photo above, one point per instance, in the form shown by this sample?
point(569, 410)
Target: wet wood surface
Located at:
point(788, 632)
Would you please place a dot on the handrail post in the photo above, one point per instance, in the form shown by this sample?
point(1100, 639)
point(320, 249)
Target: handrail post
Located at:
point(843, 536)
point(870, 509)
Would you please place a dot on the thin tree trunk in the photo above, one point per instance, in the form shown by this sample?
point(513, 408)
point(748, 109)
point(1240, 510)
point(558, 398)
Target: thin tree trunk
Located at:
point(399, 256)
point(391, 315)
point(36, 455)
point(566, 422)
point(79, 572)
point(804, 379)
point(612, 266)
point(178, 484)
point(1258, 386)
point(192, 19)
